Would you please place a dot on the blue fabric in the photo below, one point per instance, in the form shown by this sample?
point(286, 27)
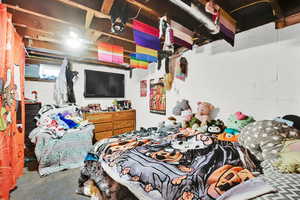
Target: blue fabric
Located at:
point(143, 57)
point(91, 157)
point(232, 131)
point(146, 40)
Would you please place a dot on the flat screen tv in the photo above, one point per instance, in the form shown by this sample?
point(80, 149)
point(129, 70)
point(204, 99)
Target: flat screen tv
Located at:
point(104, 84)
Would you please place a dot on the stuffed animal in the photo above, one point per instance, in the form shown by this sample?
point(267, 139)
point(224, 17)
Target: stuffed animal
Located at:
point(215, 127)
point(203, 112)
point(69, 122)
point(169, 124)
point(187, 116)
point(238, 120)
point(181, 106)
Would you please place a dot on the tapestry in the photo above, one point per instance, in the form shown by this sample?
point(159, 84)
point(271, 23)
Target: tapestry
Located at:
point(143, 88)
point(157, 96)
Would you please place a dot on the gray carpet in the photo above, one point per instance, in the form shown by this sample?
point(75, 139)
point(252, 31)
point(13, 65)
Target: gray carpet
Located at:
point(58, 186)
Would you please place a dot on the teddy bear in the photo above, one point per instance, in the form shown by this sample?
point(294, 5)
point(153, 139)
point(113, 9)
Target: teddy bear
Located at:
point(203, 111)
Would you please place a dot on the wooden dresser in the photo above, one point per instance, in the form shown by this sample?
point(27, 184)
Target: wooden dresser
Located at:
point(109, 124)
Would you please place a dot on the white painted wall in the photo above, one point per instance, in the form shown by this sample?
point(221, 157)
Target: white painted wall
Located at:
point(259, 76)
point(45, 89)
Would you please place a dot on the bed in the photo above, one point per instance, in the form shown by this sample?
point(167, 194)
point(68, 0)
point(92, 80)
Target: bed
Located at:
point(67, 152)
point(153, 165)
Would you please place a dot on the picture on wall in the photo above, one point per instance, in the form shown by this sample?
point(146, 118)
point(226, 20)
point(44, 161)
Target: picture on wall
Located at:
point(157, 96)
point(143, 88)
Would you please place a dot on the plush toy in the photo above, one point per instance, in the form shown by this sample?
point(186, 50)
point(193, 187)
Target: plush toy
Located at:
point(70, 123)
point(215, 126)
point(194, 123)
point(203, 112)
point(169, 125)
point(187, 116)
point(181, 106)
point(238, 120)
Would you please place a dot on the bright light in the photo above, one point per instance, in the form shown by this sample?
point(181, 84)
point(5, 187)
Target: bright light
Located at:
point(73, 34)
point(73, 43)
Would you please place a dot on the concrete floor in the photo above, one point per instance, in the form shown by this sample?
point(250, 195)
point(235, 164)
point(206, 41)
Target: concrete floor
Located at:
point(57, 186)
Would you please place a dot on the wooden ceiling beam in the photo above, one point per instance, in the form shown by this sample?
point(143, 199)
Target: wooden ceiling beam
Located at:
point(97, 13)
point(52, 46)
point(145, 8)
point(106, 6)
point(88, 19)
point(288, 21)
point(65, 22)
point(58, 42)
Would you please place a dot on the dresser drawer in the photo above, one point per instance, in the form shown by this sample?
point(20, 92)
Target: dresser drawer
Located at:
point(101, 135)
point(123, 130)
point(103, 127)
point(124, 115)
point(99, 117)
point(123, 124)
point(33, 107)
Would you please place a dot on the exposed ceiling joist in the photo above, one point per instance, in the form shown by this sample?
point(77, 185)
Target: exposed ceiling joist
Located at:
point(65, 22)
point(82, 7)
point(143, 7)
point(97, 13)
point(88, 19)
point(288, 21)
point(52, 40)
point(106, 6)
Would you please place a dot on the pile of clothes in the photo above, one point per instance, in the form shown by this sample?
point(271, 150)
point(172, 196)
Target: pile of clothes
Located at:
point(56, 121)
point(62, 138)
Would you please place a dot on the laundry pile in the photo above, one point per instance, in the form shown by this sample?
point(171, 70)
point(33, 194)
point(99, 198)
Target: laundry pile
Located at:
point(62, 138)
point(56, 121)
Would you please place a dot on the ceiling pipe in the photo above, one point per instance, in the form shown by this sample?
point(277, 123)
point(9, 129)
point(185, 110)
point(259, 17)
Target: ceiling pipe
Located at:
point(199, 15)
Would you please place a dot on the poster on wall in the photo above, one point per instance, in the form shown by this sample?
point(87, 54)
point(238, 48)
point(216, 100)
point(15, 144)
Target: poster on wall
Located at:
point(157, 96)
point(143, 88)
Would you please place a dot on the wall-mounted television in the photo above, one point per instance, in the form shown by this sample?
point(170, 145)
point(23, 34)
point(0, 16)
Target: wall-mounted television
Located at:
point(104, 84)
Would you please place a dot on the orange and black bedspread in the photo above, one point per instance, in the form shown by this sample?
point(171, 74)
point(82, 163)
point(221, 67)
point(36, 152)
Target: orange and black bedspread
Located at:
point(170, 166)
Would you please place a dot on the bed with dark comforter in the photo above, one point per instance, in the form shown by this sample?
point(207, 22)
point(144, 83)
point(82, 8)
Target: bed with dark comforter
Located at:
point(153, 165)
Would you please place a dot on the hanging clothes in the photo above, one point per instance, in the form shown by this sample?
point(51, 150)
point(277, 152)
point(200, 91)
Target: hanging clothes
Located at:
point(71, 77)
point(60, 91)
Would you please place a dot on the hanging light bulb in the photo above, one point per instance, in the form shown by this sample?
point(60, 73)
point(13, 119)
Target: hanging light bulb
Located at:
point(73, 41)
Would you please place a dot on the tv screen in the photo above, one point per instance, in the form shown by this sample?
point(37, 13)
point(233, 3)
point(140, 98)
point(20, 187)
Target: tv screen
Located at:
point(103, 84)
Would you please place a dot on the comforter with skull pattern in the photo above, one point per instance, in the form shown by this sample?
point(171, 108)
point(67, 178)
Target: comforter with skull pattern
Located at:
point(170, 166)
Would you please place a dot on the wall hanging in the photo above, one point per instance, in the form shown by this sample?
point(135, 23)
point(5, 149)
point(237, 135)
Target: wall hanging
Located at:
point(157, 96)
point(143, 90)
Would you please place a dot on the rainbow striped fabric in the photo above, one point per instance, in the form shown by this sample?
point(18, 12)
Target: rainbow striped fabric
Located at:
point(146, 35)
point(134, 63)
point(110, 53)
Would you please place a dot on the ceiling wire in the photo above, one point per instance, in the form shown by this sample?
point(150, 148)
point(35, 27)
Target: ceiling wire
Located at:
point(250, 4)
point(137, 14)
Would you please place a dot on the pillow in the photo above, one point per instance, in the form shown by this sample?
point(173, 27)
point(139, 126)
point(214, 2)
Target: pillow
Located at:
point(289, 161)
point(265, 138)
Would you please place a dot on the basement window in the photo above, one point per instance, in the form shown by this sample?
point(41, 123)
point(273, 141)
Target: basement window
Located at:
point(41, 72)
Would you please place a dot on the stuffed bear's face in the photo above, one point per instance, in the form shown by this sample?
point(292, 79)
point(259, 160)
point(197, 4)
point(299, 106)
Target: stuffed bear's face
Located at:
point(204, 108)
